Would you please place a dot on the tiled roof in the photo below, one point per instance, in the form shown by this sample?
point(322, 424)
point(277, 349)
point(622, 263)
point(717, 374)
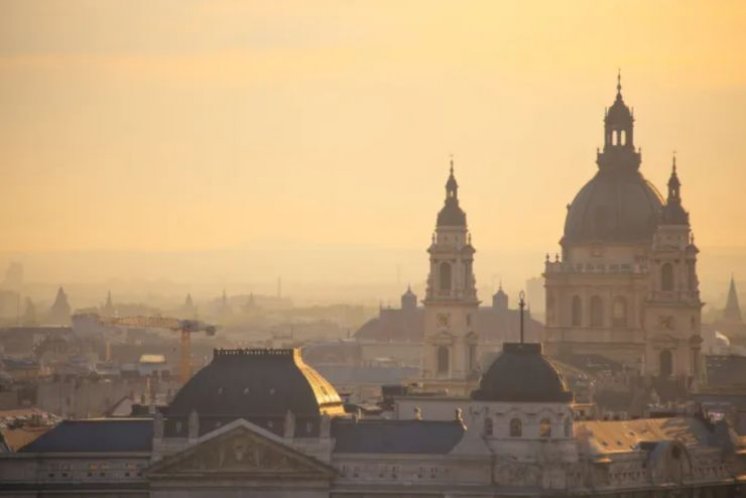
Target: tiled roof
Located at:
point(625, 435)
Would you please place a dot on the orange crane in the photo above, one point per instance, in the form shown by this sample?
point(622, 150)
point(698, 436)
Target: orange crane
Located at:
point(185, 327)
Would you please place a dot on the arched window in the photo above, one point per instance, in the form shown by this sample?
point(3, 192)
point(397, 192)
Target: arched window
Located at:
point(516, 427)
point(597, 312)
point(619, 312)
point(623, 139)
point(488, 427)
point(545, 428)
point(665, 363)
point(577, 312)
point(471, 357)
point(550, 308)
point(445, 276)
point(443, 360)
point(667, 277)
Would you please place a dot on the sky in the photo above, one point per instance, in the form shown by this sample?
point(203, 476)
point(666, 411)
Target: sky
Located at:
point(167, 127)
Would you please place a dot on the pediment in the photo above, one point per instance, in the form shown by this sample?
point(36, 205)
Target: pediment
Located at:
point(243, 453)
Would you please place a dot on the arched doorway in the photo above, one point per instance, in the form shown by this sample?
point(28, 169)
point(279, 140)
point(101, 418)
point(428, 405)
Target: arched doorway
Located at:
point(665, 363)
point(443, 360)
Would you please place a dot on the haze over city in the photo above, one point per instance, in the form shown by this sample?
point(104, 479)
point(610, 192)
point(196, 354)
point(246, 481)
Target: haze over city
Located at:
point(358, 249)
point(224, 143)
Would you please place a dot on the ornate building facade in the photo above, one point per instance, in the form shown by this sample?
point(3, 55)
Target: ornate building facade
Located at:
point(261, 423)
point(626, 286)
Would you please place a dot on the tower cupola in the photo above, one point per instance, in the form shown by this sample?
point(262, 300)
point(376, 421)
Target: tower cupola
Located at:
point(451, 214)
point(673, 212)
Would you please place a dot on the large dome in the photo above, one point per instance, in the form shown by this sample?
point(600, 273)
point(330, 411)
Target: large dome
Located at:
point(615, 206)
point(522, 374)
point(252, 383)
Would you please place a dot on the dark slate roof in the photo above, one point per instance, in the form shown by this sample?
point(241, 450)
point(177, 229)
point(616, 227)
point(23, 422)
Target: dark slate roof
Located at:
point(522, 374)
point(95, 435)
point(249, 383)
point(396, 436)
point(614, 206)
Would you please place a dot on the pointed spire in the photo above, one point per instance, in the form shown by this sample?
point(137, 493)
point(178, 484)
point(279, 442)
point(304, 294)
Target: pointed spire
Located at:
point(673, 181)
point(451, 184)
point(619, 82)
point(673, 212)
point(108, 309)
point(732, 311)
point(59, 313)
point(521, 306)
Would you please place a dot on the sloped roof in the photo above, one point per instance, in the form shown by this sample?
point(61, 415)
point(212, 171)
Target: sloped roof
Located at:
point(396, 436)
point(95, 435)
point(615, 436)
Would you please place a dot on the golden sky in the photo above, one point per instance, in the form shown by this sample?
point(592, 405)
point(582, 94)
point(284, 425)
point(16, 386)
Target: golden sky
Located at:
point(195, 125)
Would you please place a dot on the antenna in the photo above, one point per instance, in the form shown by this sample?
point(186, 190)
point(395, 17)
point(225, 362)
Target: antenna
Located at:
point(521, 305)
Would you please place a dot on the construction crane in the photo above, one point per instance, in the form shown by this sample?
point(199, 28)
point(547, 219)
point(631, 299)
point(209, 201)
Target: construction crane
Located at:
point(185, 327)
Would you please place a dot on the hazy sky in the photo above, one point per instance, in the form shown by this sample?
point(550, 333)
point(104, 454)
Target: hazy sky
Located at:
point(190, 126)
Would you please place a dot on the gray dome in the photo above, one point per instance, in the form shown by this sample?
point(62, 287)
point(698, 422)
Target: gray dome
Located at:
point(615, 206)
point(256, 382)
point(522, 374)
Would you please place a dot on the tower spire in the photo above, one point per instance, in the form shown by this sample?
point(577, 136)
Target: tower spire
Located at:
point(619, 82)
point(732, 311)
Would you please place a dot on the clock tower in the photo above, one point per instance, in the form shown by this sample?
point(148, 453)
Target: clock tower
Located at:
point(451, 352)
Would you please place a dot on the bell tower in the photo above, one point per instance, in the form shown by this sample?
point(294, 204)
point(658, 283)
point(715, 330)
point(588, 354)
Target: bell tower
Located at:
point(672, 318)
point(451, 344)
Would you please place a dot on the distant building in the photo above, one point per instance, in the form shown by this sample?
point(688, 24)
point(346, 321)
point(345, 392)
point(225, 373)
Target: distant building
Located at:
point(13, 277)
point(108, 308)
point(731, 325)
point(732, 311)
point(398, 333)
point(59, 313)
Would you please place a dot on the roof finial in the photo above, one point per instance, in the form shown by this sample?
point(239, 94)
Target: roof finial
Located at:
point(619, 81)
point(674, 161)
point(451, 163)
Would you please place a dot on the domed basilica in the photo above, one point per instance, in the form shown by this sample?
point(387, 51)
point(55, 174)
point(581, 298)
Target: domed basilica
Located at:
point(625, 286)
